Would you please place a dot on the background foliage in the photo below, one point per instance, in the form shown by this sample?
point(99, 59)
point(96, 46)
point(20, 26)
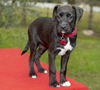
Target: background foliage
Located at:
point(21, 12)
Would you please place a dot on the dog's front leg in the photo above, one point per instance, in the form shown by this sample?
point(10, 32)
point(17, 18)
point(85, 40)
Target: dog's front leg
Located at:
point(64, 61)
point(52, 70)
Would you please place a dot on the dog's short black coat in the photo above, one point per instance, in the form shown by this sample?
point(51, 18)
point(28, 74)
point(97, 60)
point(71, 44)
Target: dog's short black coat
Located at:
point(43, 34)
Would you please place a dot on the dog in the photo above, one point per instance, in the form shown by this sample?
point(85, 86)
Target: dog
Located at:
point(57, 35)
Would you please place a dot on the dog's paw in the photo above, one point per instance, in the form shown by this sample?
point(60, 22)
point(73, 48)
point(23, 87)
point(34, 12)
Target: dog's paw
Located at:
point(42, 70)
point(33, 75)
point(55, 84)
point(45, 71)
point(66, 84)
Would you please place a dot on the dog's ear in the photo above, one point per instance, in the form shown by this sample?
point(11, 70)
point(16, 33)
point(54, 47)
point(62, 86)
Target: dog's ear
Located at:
point(78, 11)
point(55, 12)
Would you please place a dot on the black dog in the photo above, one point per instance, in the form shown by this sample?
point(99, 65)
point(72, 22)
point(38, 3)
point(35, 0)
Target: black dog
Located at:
point(58, 35)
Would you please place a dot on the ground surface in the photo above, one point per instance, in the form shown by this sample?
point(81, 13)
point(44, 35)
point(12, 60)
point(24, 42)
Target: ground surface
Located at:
point(14, 74)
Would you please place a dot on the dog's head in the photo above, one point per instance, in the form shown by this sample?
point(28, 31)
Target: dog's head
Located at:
point(66, 17)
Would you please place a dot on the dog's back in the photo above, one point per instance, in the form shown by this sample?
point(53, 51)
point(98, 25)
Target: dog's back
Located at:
point(42, 23)
point(42, 27)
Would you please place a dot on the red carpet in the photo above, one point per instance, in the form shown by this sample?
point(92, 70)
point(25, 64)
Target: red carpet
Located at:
point(14, 74)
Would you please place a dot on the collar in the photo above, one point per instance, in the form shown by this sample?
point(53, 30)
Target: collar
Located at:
point(70, 34)
point(62, 41)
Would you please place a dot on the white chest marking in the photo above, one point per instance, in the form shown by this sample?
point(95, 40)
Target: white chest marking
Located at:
point(65, 48)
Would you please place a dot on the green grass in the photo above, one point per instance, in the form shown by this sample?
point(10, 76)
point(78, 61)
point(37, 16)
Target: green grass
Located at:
point(84, 64)
point(83, 24)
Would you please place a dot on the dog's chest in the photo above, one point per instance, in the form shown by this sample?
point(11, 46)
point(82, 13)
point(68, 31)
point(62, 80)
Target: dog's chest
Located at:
point(65, 48)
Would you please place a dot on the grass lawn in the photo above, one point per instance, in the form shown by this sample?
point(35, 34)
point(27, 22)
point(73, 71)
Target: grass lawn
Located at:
point(84, 64)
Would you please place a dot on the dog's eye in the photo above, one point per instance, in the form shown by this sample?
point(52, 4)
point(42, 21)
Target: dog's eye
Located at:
point(68, 15)
point(61, 14)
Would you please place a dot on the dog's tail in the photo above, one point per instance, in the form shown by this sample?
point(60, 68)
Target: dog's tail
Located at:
point(26, 48)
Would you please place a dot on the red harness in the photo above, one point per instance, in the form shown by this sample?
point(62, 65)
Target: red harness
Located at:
point(64, 35)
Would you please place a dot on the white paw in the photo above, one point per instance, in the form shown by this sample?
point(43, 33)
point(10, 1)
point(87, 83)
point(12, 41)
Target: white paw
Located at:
point(66, 84)
point(45, 71)
point(58, 86)
point(34, 76)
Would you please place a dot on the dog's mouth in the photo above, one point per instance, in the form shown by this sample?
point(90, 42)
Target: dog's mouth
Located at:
point(63, 32)
point(66, 31)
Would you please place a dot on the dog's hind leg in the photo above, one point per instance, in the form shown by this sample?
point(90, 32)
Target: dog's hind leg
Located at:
point(39, 52)
point(32, 72)
point(33, 43)
point(33, 47)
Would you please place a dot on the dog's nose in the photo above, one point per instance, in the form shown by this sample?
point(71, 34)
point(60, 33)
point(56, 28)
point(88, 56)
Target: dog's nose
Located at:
point(66, 28)
point(63, 27)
